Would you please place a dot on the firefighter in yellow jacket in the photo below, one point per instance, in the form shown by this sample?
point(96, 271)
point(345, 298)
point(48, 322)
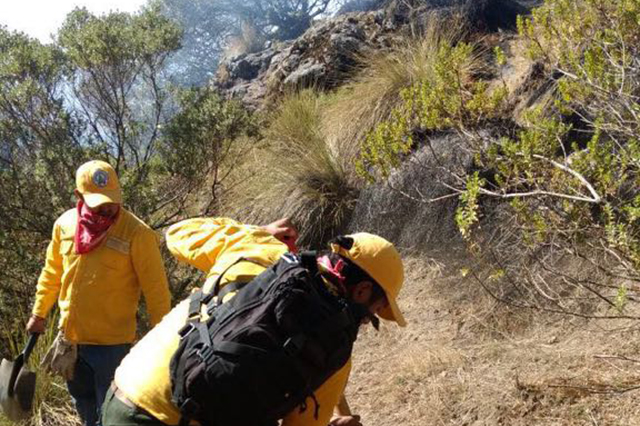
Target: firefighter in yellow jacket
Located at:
point(100, 259)
point(142, 390)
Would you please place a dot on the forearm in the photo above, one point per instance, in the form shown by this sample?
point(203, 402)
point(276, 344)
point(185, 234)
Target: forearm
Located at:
point(199, 242)
point(46, 297)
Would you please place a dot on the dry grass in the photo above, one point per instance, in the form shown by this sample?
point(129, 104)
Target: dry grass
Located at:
point(464, 360)
point(304, 167)
point(298, 174)
point(52, 403)
point(375, 91)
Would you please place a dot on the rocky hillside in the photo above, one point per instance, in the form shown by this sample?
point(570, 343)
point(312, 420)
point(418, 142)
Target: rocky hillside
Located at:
point(326, 56)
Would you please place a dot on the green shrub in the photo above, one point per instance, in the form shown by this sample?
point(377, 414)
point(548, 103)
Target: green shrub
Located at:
point(446, 96)
point(587, 182)
point(376, 90)
point(571, 173)
point(564, 180)
point(198, 147)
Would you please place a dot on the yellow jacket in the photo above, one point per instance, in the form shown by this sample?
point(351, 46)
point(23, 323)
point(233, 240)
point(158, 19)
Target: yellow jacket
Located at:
point(210, 245)
point(98, 292)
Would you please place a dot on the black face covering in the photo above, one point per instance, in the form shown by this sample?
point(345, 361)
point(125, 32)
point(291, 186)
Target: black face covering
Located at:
point(363, 311)
point(375, 321)
point(360, 312)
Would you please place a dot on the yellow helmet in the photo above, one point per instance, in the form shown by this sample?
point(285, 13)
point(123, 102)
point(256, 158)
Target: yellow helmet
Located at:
point(381, 261)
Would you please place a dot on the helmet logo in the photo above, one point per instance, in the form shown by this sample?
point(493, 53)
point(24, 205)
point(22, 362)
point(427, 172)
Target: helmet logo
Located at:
point(100, 178)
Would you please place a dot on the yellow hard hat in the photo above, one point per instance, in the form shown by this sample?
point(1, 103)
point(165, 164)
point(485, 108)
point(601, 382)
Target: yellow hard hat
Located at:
point(98, 183)
point(381, 261)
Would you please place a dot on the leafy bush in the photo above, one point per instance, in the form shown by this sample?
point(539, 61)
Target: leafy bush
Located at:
point(564, 182)
point(39, 146)
point(376, 90)
point(199, 146)
point(572, 173)
point(446, 96)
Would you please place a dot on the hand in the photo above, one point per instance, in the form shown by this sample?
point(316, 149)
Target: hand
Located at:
point(285, 231)
point(36, 324)
point(345, 421)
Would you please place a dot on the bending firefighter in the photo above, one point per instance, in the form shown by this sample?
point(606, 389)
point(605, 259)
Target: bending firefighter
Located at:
point(100, 258)
point(269, 336)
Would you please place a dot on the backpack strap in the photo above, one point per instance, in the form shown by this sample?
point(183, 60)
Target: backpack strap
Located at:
point(230, 288)
point(199, 297)
point(308, 260)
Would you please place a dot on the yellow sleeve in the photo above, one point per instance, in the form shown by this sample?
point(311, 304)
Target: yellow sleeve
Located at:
point(149, 268)
point(50, 278)
point(328, 395)
point(200, 241)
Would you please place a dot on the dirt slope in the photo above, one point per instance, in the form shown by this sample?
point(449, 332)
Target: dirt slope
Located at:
point(465, 360)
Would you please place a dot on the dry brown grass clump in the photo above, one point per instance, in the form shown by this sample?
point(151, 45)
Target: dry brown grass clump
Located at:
point(304, 167)
point(249, 40)
point(295, 173)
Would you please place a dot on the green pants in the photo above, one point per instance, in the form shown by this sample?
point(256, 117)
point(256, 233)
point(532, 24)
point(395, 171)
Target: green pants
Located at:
point(116, 413)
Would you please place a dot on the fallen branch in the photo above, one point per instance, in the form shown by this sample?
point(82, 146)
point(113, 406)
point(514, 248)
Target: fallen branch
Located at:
point(608, 391)
point(619, 357)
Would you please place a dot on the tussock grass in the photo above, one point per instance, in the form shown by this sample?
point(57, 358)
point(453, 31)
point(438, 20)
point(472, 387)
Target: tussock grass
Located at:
point(304, 167)
point(249, 40)
point(298, 174)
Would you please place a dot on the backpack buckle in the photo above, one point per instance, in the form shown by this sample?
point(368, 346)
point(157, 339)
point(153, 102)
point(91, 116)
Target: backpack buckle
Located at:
point(294, 345)
point(206, 353)
point(185, 331)
point(189, 408)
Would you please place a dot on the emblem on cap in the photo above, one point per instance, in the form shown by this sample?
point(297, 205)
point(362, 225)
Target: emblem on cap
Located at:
point(100, 178)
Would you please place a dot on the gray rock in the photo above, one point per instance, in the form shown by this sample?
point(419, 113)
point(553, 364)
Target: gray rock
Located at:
point(249, 66)
point(307, 75)
point(324, 57)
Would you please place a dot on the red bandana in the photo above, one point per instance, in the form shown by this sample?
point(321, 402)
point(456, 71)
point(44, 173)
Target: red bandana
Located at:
point(333, 270)
point(91, 228)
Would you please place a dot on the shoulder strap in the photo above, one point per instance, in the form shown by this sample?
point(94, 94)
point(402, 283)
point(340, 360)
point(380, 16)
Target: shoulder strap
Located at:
point(199, 297)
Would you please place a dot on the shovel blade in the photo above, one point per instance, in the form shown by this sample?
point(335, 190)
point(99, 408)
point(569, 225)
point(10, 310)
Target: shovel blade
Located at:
point(25, 389)
point(6, 367)
point(9, 401)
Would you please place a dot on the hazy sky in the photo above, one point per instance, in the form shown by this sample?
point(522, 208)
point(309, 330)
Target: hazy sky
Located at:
point(41, 18)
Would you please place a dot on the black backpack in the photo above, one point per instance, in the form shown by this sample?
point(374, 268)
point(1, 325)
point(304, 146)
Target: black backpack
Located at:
point(264, 352)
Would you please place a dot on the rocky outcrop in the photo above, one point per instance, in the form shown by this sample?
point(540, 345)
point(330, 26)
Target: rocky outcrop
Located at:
point(402, 209)
point(323, 57)
point(327, 54)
